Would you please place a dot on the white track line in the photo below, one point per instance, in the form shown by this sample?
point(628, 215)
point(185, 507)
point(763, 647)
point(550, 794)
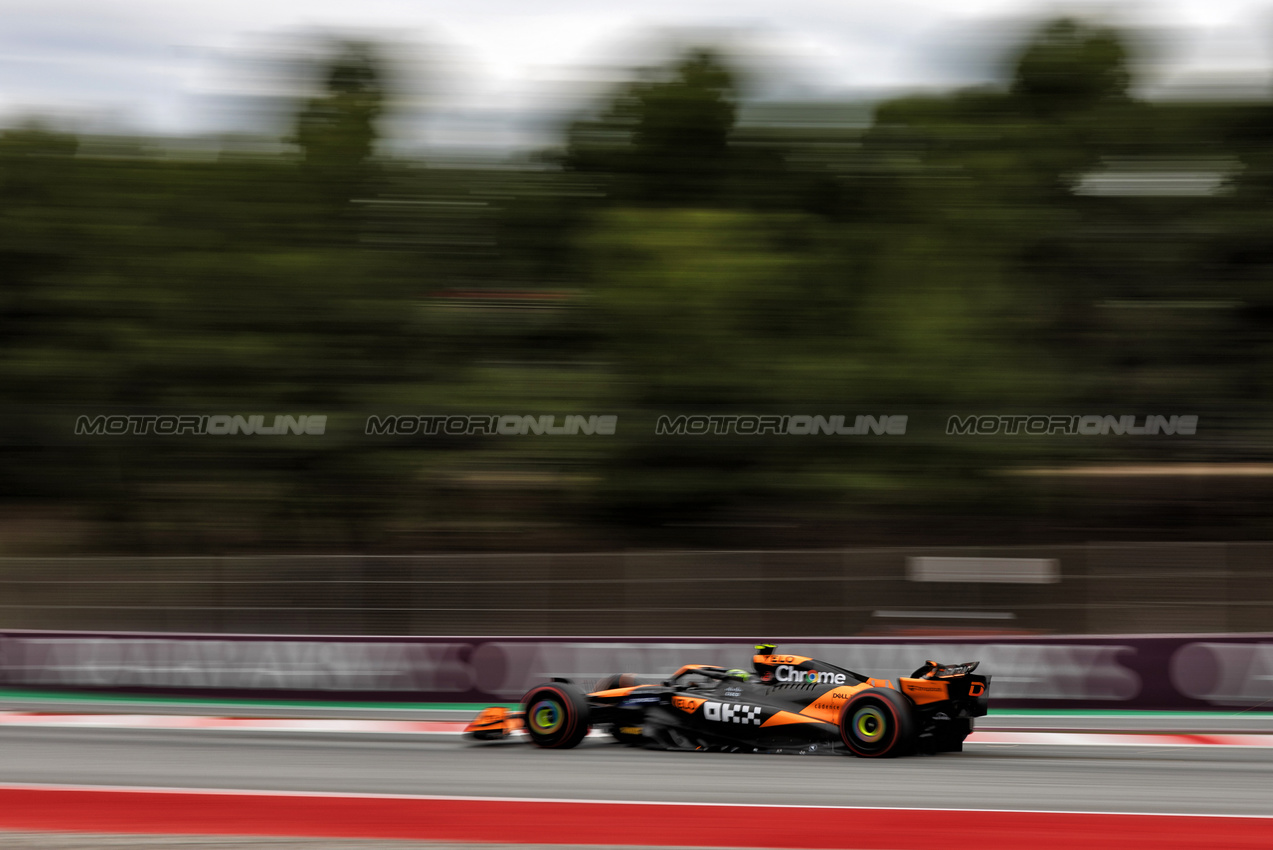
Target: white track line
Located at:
point(448, 727)
point(247, 792)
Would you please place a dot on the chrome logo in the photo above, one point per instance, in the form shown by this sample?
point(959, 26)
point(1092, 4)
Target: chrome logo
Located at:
point(790, 675)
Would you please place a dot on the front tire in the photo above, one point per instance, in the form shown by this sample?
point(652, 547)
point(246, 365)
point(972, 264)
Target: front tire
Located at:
point(878, 723)
point(556, 715)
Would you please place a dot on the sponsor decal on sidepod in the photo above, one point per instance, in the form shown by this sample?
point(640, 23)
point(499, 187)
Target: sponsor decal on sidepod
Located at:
point(787, 673)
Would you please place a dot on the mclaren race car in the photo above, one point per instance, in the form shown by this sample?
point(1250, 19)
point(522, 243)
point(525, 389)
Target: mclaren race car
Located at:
point(789, 704)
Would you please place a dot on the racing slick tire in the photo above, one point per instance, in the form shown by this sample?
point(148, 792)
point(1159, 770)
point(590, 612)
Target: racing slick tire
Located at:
point(556, 715)
point(877, 723)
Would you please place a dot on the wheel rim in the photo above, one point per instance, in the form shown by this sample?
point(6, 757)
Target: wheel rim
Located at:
point(869, 724)
point(546, 717)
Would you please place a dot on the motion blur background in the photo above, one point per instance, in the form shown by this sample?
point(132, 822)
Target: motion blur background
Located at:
point(901, 213)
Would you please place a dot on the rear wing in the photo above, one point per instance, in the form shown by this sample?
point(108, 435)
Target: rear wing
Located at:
point(936, 683)
point(936, 670)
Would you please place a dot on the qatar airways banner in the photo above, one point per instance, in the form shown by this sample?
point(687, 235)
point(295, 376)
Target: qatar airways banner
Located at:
point(1129, 672)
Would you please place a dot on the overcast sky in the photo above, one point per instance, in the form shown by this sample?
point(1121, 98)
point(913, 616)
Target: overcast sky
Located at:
point(495, 68)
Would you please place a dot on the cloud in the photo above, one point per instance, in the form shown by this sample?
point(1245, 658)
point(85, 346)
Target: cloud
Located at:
point(489, 66)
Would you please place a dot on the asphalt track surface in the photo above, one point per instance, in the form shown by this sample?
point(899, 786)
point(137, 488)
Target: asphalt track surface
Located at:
point(1149, 779)
point(1193, 722)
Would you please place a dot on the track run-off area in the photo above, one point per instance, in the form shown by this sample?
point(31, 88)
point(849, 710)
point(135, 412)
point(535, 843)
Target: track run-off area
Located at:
point(1027, 789)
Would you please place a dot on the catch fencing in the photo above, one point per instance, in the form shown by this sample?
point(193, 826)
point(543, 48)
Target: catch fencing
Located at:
point(1135, 588)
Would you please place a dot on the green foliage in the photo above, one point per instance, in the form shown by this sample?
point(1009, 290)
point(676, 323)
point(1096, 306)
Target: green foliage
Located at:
point(1070, 66)
point(337, 129)
point(952, 258)
point(665, 138)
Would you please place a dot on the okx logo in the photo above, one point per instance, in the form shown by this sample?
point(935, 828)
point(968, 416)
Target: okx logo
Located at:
point(724, 712)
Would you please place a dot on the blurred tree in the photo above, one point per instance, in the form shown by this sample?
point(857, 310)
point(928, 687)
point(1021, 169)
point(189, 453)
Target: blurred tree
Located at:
point(1069, 65)
point(38, 185)
point(337, 129)
point(667, 135)
point(34, 178)
point(950, 258)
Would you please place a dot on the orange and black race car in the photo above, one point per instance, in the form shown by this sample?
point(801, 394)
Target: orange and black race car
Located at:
point(789, 704)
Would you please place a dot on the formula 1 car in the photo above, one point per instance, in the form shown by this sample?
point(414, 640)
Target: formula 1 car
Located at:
point(790, 704)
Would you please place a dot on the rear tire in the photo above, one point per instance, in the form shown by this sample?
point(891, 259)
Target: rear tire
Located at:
point(878, 723)
point(556, 715)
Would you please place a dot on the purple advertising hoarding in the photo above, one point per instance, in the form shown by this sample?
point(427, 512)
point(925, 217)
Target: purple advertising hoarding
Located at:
point(1222, 672)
